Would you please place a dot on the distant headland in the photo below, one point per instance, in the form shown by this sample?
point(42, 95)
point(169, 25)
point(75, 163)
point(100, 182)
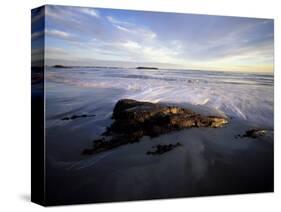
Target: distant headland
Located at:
point(144, 67)
point(60, 66)
point(111, 67)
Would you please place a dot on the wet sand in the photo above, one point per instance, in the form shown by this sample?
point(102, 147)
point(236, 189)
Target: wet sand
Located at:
point(209, 162)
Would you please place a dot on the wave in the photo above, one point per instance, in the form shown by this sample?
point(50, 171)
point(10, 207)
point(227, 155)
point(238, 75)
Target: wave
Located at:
point(242, 95)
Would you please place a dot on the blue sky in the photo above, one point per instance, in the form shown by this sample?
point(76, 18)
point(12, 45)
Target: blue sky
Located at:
point(87, 36)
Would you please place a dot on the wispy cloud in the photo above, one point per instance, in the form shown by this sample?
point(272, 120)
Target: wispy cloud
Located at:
point(91, 12)
point(131, 28)
point(63, 15)
point(36, 35)
point(57, 33)
point(118, 22)
point(189, 41)
point(38, 14)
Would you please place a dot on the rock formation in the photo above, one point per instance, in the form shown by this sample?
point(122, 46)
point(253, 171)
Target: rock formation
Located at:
point(135, 119)
point(162, 148)
point(253, 133)
point(76, 117)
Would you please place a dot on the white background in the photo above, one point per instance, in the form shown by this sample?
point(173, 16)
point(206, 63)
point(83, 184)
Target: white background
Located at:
point(15, 104)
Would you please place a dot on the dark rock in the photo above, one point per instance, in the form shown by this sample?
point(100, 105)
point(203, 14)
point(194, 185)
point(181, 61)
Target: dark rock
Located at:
point(144, 67)
point(135, 119)
point(76, 116)
point(60, 66)
point(162, 148)
point(253, 133)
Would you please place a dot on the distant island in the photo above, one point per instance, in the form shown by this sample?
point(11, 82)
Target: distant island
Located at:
point(63, 66)
point(110, 67)
point(143, 67)
point(60, 66)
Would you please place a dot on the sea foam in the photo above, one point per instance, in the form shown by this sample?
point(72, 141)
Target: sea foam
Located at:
point(246, 96)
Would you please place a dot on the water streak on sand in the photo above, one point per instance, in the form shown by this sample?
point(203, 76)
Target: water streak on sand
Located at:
point(88, 162)
point(242, 95)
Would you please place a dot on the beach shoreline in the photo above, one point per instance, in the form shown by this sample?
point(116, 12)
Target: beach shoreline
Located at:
point(208, 161)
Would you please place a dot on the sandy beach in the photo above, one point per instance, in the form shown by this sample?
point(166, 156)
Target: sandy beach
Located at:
point(210, 161)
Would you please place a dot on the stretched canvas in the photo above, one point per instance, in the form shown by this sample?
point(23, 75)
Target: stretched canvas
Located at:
point(138, 105)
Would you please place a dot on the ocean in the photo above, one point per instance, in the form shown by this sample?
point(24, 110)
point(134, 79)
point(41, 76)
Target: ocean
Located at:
point(210, 162)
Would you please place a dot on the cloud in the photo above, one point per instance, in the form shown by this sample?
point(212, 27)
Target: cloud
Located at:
point(49, 51)
point(131, 28)
point(57, 53)
point(146, 34)
point(55, 50)
point(64, 15)
point(37, 51)
point(132, 51)
point(57, 33)
point(52, 12)
point(189, 41)
point(37, 14)
point(36, 35)
point(118, 22)
point(124, 29)
point(82, 22)
point(131, 45)
point(37, 55)
point(91, 12)
point(246, 42)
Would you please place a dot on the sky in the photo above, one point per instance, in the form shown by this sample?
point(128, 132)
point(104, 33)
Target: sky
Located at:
point(125, 38)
